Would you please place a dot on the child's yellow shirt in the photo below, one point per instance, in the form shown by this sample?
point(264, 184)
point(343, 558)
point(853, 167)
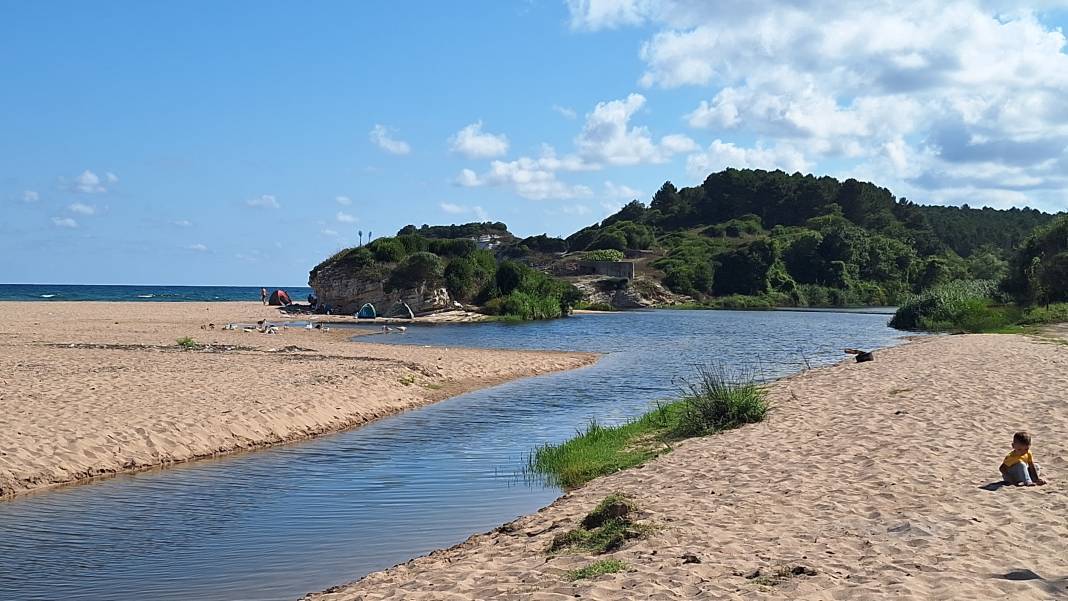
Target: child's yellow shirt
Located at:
point(1011, 460)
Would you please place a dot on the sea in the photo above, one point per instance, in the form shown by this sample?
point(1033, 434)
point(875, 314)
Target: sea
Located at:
point(86, 292)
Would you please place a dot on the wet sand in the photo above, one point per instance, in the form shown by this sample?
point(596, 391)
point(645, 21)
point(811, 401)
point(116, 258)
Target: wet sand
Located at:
point(92, 388)
point(872, 480)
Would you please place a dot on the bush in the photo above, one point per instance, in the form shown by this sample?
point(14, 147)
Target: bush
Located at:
point(721, 398)
point(414, 271)
point(605, 254)
point(960, 304)
point(387, 250)
point(457, 247)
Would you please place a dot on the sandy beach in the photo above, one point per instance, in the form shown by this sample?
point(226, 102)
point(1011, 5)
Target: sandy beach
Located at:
point(873, 480)
point(90, 389)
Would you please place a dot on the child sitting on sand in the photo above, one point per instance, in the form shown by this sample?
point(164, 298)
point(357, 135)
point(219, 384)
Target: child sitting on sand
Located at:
point(1019, 467)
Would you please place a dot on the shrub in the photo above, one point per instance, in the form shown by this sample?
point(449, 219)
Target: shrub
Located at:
point(387, 250)
point(188, 344)
point(605, 254)
point(597, 568)
point(947, 306)
point(415, 270)
point(719, 399)
point(456, 247)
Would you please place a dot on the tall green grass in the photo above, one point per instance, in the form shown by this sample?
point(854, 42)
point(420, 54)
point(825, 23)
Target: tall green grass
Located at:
point(971, 306)
point(718, 399)
point(961, 305)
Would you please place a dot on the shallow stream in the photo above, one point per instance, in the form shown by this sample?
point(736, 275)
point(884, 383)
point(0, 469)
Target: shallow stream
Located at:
point(281, 522)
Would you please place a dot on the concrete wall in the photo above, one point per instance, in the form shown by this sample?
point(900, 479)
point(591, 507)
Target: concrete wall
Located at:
point(613, 269)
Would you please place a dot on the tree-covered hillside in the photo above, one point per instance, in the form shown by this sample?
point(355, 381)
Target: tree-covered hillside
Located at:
point(806, 240)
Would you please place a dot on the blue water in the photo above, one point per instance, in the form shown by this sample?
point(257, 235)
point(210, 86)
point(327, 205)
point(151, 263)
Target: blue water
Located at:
point(278, 523)
point(78, 292)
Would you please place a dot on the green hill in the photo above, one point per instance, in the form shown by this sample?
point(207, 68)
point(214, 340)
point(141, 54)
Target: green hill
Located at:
point(768, 237)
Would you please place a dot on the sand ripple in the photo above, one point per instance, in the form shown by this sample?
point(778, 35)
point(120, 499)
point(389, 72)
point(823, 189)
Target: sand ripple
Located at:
point(870, 474)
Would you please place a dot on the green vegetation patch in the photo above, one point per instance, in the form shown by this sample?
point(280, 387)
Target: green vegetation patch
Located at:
point(188, 344)
point(719, 399)
point(595, 569)
point(604, 529)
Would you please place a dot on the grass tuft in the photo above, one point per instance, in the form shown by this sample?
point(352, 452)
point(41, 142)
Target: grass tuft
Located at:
point(604, 529)
point(187, 343)
point(595, 569)
point(720, 399)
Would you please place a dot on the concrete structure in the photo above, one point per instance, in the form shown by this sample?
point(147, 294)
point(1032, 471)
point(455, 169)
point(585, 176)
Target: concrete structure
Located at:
point(612, 269)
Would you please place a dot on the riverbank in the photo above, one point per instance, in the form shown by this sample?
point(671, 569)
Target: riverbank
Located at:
point(97, 388)
point(866, 480)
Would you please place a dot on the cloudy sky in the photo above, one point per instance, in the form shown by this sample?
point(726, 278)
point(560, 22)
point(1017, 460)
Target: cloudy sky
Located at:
point(240, 142)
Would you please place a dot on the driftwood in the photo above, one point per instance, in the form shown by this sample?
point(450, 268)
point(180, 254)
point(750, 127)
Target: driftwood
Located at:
point(862, 356)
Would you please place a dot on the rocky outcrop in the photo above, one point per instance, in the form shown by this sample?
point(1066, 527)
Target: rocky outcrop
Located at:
point(346, 292)
point(638, 293)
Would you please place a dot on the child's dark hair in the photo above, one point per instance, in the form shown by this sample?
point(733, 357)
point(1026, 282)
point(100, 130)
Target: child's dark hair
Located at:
point(1022, 437)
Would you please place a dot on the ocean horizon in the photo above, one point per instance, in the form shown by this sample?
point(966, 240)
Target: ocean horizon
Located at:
point(140, 293)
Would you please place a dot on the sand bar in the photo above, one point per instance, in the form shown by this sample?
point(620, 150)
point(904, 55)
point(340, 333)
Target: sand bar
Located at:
point(92, 388)
point(871, 475)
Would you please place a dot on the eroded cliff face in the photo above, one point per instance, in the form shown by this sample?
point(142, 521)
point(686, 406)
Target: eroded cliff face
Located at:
point(638, 293)
point(346, 292)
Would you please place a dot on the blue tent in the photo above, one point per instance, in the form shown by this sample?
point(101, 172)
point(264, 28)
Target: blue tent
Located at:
point(367, 312)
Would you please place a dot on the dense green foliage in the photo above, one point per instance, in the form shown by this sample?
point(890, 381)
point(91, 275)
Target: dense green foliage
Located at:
point(766, 238)
point(466, 230)
point(717, 401)
point(1038, 273)
point(506, 288)
point(1036, 277)
point(948, 306)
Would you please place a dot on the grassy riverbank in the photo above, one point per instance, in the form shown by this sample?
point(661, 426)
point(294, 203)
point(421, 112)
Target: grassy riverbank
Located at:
point(719, 399)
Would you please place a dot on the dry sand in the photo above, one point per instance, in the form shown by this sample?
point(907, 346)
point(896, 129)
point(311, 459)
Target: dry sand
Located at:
point(870, 474)
point(89, 389)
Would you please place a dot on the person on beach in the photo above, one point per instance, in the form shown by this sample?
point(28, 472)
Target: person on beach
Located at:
point(1019, 467)
point(263, 295)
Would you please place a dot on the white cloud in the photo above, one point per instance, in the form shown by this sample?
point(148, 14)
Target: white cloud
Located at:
point(90, 183)
point(264, 201)
point(329, 232)
point(933, 91)
point(473, 143)
point(719, 155)
point(577, 209)
point(455, 209)
point(182, 223)
point(200, 248)
point(608, 137)
point(382, 137)
point(606, 14)
point(30, 196)
point(565, 112)
point(343, 200)
point(65, 222)
point(345, 218)
point(81, 209)
point(620, 191)
point(532, 178)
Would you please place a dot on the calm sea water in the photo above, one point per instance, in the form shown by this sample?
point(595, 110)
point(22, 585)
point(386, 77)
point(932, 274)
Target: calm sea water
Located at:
point(74, 292)
point(278, 523)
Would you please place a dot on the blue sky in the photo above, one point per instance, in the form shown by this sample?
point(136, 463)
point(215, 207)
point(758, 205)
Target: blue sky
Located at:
point(241, 142)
